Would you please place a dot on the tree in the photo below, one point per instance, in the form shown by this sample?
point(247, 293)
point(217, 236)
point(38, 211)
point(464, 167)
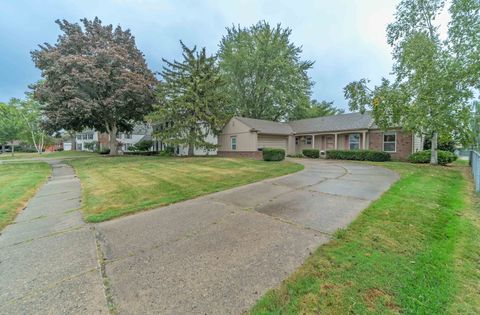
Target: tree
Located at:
point(313, 109)
point(464, 43)
point(11, 125)
point(30, 111)
point(266, 78)
point(94, 77)
point(428, 95)
point(191, 100)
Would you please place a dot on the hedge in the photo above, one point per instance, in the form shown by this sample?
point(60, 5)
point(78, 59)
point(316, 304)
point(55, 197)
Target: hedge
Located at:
point(273, 154)
point(444, 157)
point(311, 153)
point(358, 155)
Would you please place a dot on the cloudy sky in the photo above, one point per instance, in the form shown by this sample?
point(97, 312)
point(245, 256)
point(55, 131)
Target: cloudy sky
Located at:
point(345, 38)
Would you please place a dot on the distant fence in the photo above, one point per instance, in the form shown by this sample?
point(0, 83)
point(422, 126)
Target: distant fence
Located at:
point(475, 162)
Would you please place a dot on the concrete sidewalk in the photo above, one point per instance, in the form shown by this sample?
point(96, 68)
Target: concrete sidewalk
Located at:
point(48, 255)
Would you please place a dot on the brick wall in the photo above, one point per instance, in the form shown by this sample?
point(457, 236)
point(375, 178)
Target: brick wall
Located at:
point(244, 154)
point(404, 144)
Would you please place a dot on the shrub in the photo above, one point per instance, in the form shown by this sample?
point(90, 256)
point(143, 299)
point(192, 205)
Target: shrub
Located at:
point(273, 154)
point(296, 155)
point(444, 157)
point(358, 155)
point(143, 145)
point(104, 151)
point(311, 153)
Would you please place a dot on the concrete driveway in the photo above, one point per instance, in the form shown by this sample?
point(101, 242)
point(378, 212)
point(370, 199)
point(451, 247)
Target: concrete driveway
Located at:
point(219, 253)
point(212, 255)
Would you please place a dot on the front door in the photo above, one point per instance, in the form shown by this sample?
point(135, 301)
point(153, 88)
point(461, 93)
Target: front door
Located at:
point(330, 142)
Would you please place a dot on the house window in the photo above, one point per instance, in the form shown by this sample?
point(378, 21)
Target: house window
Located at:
point(296, 140)
point(79, 137)
point(85, 137)
point(354, 141)
point(233, 141)
point(127, 136)
point(308, 140)
point(390, 141)
point(90, 136)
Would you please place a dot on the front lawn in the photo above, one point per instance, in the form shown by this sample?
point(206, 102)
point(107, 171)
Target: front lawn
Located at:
point(46, 155)
point(117, 186)
point(18, 183)
point(416, 250)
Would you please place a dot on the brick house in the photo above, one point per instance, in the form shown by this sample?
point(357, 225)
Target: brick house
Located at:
point(246, 136)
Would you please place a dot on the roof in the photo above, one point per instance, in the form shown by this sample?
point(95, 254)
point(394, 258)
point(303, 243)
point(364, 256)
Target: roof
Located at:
point(267, 126)
point(340, 122)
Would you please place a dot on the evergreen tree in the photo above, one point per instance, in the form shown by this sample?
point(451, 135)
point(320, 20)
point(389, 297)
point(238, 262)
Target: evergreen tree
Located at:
point(191, 101)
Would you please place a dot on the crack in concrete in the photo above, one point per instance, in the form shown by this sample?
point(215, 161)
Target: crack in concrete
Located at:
point(75, 228)
point(107, 288)
point(50, 286)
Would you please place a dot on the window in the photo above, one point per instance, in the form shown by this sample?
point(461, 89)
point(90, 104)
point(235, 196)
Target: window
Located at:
point(79, 137)
point(296, 140)
point(354, 141)
point(85, 137)
point(308, 140)
point(90, 136)
point(390, 141)
point(233, 141)
point(127, 136)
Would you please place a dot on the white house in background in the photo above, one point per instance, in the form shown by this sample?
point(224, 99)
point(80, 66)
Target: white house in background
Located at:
point(83, 138)
point(126, 141)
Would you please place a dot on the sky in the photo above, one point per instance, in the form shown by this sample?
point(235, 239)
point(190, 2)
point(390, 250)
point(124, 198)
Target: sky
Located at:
point(345, 38)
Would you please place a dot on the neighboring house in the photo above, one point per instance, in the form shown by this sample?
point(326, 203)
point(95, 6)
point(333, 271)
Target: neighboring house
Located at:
point(246, 136)
point(182, 150)
point(126, 141)
point(83, 138)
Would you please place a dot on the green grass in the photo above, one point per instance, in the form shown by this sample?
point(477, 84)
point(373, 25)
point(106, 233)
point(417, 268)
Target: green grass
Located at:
point(121, 185)
point(416, 250)
point(18, 183)
point(47, 155)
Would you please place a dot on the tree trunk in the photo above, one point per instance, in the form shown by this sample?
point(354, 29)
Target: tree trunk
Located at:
point(3, 148)
point(73, 136)
point(13, 148)
point(191, 143)
point(434, 158)
point(113, 140)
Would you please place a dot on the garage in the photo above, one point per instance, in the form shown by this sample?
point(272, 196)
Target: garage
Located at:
point(272, 141)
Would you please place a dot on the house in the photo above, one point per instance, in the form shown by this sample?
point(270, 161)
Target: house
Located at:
point(246, 136)
point(89, 139)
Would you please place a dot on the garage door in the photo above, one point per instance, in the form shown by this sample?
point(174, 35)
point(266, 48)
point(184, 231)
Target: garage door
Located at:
point(272, 142)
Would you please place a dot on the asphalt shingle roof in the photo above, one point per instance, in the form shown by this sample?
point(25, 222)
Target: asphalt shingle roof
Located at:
point(340, 122)
point(267, 126)
point(350, 121)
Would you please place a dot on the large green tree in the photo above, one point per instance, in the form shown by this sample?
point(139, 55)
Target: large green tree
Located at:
point(191, 101)
point(313, 109)
point(12, 125)
point(428, 94)
point(265, 75)
point(94, 76)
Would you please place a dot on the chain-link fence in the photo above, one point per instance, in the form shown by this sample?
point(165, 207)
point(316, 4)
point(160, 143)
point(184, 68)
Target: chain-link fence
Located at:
point(475, 162)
